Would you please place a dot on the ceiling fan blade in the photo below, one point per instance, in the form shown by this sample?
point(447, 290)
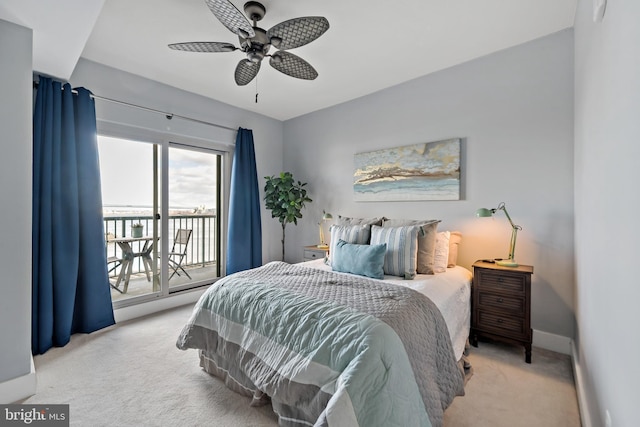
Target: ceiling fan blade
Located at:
point(298, 31)
point(203, 47)
point(246, 71)
point(231, 17)
point(292, 65)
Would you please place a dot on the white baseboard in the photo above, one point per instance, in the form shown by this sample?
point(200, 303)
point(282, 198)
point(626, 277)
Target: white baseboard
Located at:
point(553, 342)
point(583, 403)
point(144, 309)
point(19, 388)
point(565, 345)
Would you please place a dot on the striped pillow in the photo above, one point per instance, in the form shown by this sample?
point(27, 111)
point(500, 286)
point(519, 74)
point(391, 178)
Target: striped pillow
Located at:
point(402, 249)
point(358, 234)
point(426, 241)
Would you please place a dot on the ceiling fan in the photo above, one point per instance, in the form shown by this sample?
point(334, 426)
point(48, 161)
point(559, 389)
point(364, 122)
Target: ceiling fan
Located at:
point(256, 42)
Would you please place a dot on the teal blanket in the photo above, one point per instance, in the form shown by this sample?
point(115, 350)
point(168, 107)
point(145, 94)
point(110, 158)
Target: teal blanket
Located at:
point(327, 349)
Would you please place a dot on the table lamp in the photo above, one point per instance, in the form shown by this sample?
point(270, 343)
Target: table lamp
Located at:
point(484, 212)
point(326, 216)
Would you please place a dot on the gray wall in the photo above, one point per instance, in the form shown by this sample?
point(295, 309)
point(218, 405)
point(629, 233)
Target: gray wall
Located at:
point(607, 149)
point(514, 110)
point(115, 84)
point(15, 191)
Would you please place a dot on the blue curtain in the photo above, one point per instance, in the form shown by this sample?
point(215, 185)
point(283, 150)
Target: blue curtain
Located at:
point(70, 283)
point(244, 247)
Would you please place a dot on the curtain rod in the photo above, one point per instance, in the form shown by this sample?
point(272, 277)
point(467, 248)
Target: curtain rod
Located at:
point(169, 116)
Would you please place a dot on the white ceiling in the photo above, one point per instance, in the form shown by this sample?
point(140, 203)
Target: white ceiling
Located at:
point(369, 46)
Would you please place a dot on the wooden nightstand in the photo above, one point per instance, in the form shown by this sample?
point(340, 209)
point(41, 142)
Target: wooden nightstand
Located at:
point(501, 304)
point(313, 252)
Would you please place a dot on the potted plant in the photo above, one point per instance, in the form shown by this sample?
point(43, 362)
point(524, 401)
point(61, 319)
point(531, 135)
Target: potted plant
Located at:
point(136, 229)
point(285, 198)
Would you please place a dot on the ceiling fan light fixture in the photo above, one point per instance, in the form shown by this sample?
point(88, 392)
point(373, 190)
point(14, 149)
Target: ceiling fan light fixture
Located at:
point(255, 42)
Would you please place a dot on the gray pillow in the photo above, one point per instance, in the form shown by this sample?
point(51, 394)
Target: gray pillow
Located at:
point(426, 240)
point(345, 220)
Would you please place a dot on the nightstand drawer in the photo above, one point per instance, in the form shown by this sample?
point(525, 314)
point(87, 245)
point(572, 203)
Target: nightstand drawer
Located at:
point(498, 302)
point(488, 321)
point(501, 282)
point(311, 252)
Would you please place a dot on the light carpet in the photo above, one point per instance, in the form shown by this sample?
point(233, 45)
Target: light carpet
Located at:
point(132, 374)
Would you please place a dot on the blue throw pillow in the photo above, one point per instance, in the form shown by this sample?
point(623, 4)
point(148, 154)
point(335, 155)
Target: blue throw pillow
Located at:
point(363, 260)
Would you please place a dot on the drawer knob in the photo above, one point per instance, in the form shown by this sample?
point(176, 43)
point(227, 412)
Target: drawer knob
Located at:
point(500, 279)
point(500, 300)
point(313, 255)
point(499, 320)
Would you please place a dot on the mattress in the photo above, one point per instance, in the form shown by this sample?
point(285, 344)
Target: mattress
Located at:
point(450, 292)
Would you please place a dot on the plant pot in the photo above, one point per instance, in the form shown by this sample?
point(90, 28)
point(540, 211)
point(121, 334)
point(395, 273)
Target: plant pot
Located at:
point(136, 231)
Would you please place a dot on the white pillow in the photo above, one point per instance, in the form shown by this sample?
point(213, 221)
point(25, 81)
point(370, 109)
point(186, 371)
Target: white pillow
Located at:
point(441, 254)
point(454, 242)
point(358, 234)
point(402, 249)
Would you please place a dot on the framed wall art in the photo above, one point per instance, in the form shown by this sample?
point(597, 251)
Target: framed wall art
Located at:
point(428, 171)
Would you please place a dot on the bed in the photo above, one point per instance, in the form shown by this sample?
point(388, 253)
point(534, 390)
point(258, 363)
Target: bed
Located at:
point(450, 291)
point(336, 349)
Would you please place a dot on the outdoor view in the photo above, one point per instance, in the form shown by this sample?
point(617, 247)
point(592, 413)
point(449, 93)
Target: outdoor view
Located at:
point(132, 230)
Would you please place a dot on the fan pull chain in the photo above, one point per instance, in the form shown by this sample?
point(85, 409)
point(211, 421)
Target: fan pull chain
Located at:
point(256, 89)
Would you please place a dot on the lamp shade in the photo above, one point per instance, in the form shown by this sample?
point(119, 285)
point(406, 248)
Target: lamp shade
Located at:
point(484, 212)
point(327, 216)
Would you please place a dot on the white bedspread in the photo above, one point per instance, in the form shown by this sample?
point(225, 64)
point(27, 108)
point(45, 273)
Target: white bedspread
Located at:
point(450, 291)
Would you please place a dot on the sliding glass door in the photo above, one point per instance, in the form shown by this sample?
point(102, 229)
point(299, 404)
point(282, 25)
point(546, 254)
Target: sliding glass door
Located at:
point(193, 225)
point(159, 238)
point(129, 175)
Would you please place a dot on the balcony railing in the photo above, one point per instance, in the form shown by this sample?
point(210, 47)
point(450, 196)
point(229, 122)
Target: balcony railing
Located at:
point(201, 250)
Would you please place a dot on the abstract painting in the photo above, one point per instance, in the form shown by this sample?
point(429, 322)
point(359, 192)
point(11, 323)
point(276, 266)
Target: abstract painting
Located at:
point(428, 171)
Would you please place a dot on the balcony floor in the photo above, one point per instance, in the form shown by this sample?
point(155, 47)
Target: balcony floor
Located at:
point(138, 284)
